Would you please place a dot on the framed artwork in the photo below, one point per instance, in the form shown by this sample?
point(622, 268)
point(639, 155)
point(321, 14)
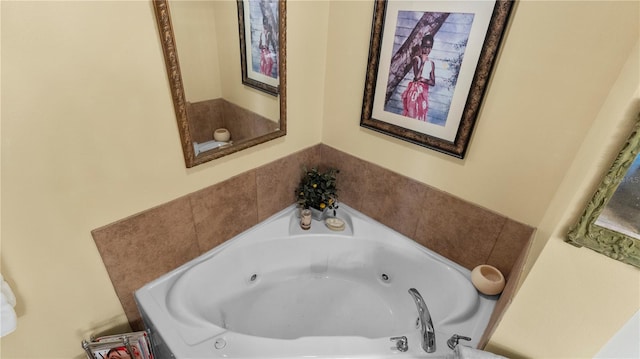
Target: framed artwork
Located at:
point(259, 48)
point(429, 64)
point(134, 345)
point(610, 223)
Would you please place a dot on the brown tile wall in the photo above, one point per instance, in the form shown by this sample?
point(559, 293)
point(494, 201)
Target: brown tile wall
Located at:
point(174, 233)
point(461, 231)
point(206, 116)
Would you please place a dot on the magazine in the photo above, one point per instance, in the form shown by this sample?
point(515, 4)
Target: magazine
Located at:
point(119, 346)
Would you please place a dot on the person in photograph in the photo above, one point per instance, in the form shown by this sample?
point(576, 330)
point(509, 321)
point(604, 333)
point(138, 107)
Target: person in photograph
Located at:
point(415, 99)
point(122, 353)
point(267, 56)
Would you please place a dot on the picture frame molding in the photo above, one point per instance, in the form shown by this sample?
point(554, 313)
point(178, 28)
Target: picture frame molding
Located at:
point(247, 78)
point(487, 58)
point(586, 232)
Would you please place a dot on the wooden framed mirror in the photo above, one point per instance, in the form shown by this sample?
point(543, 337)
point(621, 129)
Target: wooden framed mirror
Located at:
point(201, 42)
point(610, 224)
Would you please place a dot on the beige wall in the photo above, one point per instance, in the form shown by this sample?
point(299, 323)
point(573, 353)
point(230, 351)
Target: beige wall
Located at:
point(552, 105)
point(89, 137)
point(193, 28)
point(572, 290)
point(549, 82)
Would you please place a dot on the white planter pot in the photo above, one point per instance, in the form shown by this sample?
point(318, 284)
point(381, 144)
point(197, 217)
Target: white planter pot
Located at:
point(318, 214)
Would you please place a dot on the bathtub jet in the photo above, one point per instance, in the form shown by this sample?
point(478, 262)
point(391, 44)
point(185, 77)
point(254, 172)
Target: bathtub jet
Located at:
point(277, 291)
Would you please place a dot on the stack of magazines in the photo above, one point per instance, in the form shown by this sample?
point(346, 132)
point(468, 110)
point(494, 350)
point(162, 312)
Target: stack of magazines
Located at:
point(121, 346)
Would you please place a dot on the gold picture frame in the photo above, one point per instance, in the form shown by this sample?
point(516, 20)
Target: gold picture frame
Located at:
point(610, 223)
point(258, 45)
point(461, 59)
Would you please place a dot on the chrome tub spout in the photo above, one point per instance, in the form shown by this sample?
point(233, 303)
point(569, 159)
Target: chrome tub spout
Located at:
point(426, 325)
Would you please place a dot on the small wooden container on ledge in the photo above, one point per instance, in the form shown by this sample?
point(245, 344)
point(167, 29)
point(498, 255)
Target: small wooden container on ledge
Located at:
point(305, 219)
point(487, 279)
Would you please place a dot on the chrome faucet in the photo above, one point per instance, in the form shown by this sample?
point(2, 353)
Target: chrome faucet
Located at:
point(426, 325)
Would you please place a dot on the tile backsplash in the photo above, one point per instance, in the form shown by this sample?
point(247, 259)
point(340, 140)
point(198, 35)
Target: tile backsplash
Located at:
point(176, 232)
point(206, 116)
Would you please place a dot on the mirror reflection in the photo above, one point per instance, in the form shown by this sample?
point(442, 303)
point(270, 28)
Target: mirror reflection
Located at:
point(217, 112)
point(609, 223)
point(622, 212)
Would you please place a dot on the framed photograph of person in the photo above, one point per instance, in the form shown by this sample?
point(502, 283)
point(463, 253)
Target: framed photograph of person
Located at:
point(610, 223)
point(429, 64)
point(122, 346)
point(259, 44)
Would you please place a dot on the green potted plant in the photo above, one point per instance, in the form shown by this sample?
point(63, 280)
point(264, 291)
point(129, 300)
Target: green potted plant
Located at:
point(317, 191)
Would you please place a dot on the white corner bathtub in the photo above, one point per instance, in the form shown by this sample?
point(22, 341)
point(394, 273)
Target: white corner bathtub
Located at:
point(277, 291)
